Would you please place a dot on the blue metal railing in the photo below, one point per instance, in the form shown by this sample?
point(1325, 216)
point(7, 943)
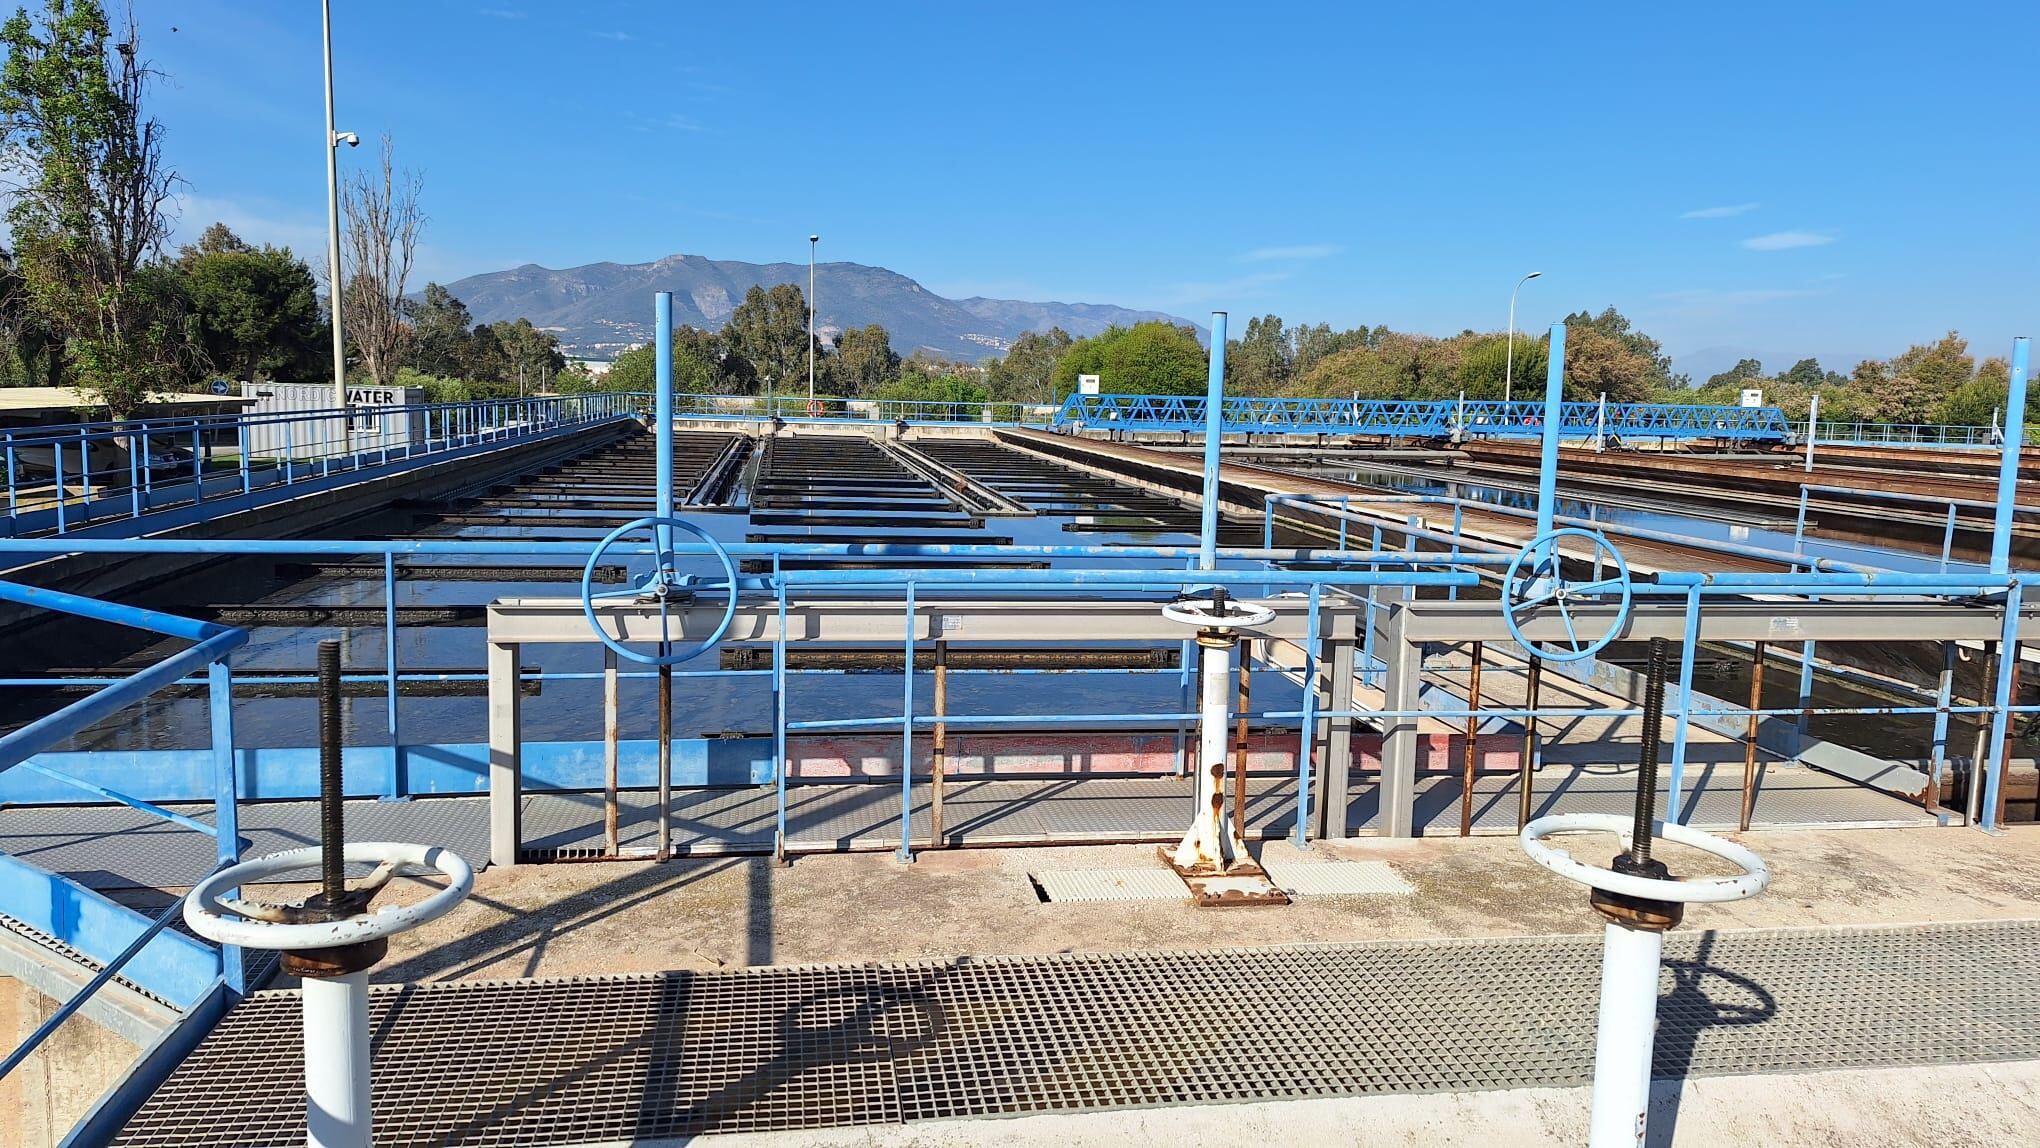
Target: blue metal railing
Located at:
point(166, 964)
point(829, 408)
point(1907, 434)
point(61, 479)
point(1443, 418)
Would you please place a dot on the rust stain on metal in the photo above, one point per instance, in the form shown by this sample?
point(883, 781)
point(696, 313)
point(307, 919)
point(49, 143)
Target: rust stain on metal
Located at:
point(1749, 770)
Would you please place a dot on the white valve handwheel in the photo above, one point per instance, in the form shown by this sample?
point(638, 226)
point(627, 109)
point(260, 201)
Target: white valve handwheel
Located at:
point(1754, 877)
point(1204, 612)
point(220, 919)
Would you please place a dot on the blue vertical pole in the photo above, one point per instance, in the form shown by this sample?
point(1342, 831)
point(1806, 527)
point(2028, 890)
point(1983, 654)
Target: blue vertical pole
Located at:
point(1676, 792)
point(781, 766)
point(226, 797)
point(395, 788)
point(2008, 462)
point(1554, 406)
point(1301, 837)
point(1992, 765)
point(1214, 427)
point(662, 419)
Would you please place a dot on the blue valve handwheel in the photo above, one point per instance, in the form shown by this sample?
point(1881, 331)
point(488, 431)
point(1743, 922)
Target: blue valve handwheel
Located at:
point(670, 657)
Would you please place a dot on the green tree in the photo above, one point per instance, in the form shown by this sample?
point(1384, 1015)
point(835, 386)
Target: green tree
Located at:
point(863, 360)
point(1740, 375)
point(1145, 359)
point(1804, 373)
point(632, 371)
point(938, 391)
point(1628, 361)
point(87, 211)
point(1027, 373)
point(1258, 362)
point(530, 357)
point(254, 312)
point(442, 334)
point(1484, 365)
point(769, 330)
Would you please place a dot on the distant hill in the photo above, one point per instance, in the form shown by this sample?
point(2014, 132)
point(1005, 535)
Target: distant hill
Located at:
point(603, 308)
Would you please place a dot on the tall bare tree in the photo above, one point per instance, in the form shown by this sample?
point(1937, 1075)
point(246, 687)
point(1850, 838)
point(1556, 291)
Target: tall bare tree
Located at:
point(84, 167)
point(383, 222)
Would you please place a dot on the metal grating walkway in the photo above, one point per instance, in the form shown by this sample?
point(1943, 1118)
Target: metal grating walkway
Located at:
point(678, 1054)
point(114, 847)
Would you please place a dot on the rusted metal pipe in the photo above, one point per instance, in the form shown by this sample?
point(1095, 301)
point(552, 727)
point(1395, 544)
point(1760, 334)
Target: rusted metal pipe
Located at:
point(1472, 744)
point(1749, 766)
point(1526, 762)
point(332, 788)
point(1647, 754)
point(937, 754)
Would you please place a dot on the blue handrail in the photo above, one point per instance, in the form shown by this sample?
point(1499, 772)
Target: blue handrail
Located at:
point(166, 964)
point(1441, 418)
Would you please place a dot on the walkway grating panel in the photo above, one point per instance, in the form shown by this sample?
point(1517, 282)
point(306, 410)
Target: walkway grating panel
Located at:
point(1337, 878)
point(1150, 884)
point(491, 1063)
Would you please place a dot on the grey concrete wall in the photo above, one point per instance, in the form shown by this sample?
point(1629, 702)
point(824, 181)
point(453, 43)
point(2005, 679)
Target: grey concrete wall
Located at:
point(40, 1100)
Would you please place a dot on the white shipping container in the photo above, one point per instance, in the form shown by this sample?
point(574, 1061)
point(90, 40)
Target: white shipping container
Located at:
point(378, 422)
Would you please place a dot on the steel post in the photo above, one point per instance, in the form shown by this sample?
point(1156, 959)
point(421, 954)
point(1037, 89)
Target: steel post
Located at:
point(1211, 841)
point(1675, 795)
point(226, 797)
point(1526, 762)
point(1749, 769)
point(905, 853)
point(1472, 755)
point(2003, 728)
point(336, 1036)
point(938, 749)
point(1214, 431)
point(1554, 408)
point(1812, 428)
point(1625, 1031)
point(612, 719)
point(2008, 460)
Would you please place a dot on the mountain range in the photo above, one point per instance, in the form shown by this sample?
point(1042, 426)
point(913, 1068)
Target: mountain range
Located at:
point(602, 309)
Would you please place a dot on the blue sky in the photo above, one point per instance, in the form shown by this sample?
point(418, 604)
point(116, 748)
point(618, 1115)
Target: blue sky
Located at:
point(1795, 178)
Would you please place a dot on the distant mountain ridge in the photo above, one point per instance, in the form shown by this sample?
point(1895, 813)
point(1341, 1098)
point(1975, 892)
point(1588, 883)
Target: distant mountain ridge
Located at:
point(601, 309)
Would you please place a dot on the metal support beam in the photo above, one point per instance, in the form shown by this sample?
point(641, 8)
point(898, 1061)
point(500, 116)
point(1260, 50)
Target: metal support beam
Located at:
point(506, 742)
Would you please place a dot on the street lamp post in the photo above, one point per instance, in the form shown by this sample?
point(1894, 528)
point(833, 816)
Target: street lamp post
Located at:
point(1509, 366)
point(333, 141)
point(811, 241)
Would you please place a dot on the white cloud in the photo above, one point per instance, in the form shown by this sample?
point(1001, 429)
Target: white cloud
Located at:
point(1729, 211)
point(680, 123)
point(1786, 240)
point(504, 13)
point(1297, 251)
point(619, 37)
